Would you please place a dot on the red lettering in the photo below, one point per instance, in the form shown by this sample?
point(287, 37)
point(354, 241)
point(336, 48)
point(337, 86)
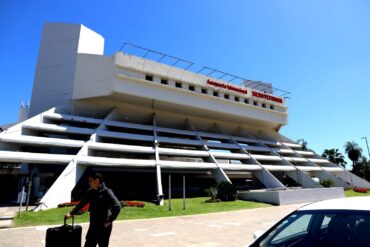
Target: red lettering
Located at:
point(267, 96)
point(226, 86)
point(254, 93)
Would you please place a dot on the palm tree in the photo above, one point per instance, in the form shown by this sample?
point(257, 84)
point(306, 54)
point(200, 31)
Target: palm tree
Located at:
point(333, 155)
point(303, 143)
point(353, 151)
point(362, 168)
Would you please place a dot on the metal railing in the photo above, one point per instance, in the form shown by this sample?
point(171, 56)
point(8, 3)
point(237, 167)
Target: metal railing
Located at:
point(177, 62)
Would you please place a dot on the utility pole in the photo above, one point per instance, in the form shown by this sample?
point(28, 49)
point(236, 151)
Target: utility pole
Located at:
point(169, 193)
point(183, 192)
point(29, 186)
point(367, 145)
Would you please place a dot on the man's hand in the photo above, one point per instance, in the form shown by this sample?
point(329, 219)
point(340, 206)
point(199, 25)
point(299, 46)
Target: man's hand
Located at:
point(107, 224)
point(68, 215)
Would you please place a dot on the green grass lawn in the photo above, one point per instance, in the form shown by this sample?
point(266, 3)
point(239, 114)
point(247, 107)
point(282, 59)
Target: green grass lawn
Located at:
point(193, 206)
point(350, 193)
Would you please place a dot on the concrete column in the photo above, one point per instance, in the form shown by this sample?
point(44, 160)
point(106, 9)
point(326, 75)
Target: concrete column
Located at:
point(327, 175)
point(353, 180)
point(264, 176)
point(268, 180)
point(300, 176)
point(160, 195)
point(61, 189)
point(219, 175)
point(303, 179)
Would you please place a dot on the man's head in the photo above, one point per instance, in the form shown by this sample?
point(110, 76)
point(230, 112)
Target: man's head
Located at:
point(95, 180)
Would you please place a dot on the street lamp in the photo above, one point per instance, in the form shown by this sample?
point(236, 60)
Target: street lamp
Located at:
point(367, 145)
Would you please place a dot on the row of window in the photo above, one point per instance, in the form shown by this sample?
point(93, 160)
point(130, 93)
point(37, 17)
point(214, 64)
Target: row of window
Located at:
point(205, 91)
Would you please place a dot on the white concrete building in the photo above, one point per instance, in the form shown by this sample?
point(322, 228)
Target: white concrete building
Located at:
point(139, 119)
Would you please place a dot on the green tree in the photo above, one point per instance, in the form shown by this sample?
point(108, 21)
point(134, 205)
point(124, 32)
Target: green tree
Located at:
point(353, 151)
point(303, 143)
point(362, 168)
point(333, 155)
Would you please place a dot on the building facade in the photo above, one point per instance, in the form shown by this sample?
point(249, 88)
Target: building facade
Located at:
point(139, 120)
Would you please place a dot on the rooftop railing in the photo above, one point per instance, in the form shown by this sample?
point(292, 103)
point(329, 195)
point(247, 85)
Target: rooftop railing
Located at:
point(203, 70)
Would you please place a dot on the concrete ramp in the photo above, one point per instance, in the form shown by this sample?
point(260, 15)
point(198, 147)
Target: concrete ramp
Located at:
point(292, 196)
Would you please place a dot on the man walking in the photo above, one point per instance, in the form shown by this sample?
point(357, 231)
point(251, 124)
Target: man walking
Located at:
point(104, 209)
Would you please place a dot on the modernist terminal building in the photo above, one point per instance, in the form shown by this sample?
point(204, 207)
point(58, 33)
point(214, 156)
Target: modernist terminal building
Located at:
point(138, 120)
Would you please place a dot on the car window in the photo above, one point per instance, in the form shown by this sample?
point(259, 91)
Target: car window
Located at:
point(297, 227)
point(325, 221)
point(290, 230)
point(345, 228)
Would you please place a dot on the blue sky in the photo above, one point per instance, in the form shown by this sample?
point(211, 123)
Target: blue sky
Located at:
point(317, 50)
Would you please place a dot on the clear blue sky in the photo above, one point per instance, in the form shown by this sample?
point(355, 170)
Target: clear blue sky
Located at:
point(317, 50)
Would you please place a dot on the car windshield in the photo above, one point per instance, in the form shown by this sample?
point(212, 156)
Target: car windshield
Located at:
point(319, 228)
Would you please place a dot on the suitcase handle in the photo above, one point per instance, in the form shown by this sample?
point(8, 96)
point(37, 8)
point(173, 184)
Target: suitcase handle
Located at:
point(73, 220)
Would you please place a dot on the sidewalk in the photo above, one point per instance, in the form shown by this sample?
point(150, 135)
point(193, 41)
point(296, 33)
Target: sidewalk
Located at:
point(6, 216)
point(233, 228)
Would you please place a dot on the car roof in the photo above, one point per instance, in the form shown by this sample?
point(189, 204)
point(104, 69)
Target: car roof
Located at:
point(350, 203)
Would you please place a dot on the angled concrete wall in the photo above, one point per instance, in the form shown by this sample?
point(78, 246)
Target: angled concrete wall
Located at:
point(283, 197)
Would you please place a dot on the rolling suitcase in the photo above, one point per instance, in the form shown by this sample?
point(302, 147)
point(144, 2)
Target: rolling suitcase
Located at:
point(65, 235)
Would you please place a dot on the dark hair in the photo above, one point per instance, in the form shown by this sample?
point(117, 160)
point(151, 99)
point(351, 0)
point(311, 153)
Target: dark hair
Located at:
point(97, 175)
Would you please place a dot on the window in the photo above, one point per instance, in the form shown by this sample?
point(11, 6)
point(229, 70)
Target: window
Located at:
point(178, 84)
point(271, 107)
point(226, 96)
point(246, 101)
point(297, 226)
point(255, 103)
point(325, 222)
point(263, 105)
point(164, 81)
point(191, 88)
point(320, 228)
point(149, 77)
point(204, 90)
point(215, 94)
point(236, 99)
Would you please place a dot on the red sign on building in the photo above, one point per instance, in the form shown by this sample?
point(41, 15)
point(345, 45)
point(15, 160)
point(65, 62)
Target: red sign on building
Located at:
point(267, 96)
point(227, 86)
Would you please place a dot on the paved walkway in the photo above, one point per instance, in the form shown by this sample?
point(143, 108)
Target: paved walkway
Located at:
point(208, 230)
point(6, 216)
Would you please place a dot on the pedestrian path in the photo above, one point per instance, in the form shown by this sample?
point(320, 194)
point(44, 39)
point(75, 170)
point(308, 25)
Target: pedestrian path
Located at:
point(6, 216)
point(233, 228)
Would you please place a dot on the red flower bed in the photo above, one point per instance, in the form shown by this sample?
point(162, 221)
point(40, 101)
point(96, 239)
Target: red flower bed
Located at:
point(132, 204)
point(74, 203)
point(68, 204)
point(361, 190)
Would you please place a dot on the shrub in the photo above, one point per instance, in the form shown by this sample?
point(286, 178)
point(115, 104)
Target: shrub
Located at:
point(327, 183)
point(213, 200)
point(226, 191)
point(212, 192)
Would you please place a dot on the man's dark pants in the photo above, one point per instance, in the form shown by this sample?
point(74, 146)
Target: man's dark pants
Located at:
point(98, 234)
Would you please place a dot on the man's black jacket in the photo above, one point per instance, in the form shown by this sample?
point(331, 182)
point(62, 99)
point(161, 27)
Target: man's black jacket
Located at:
point(104, 205)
